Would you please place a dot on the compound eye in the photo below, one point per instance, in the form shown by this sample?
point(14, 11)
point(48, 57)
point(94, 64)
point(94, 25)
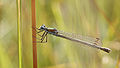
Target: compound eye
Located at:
point(41, 27)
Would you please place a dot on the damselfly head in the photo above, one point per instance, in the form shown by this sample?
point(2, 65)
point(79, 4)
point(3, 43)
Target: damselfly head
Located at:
point(42, 27)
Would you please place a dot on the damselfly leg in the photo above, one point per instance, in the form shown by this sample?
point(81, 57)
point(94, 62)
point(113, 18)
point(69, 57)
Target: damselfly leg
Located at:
point(41, 38)
point(44, 36)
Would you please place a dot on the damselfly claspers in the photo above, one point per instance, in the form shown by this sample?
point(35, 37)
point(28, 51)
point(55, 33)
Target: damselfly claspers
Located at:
point(90, 41)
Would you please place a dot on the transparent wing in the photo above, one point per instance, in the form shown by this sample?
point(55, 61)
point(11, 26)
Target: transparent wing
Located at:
point(88, 39)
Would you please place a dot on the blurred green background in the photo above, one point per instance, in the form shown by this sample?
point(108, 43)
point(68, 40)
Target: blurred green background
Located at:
point(96, 18)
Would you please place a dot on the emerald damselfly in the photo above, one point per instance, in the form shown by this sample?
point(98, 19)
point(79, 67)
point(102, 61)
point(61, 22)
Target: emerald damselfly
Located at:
point(90, 41)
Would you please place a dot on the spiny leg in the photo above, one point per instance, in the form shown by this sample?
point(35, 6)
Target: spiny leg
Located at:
point(35, 37)
point(44, 37)
point(35, 28)
point(38, 39)
point(39, 31)
point(39, 35)
point(42, 41)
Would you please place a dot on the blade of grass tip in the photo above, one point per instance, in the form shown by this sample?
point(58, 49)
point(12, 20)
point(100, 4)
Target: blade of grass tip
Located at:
point(34, 33)
point(18, 4)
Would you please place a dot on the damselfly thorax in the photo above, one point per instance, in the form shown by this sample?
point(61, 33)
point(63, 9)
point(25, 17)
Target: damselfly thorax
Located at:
point(90, 41)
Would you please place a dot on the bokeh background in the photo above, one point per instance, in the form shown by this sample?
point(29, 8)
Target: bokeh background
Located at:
point(95, 18)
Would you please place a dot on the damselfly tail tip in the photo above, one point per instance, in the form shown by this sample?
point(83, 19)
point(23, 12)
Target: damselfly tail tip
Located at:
point(105, 49)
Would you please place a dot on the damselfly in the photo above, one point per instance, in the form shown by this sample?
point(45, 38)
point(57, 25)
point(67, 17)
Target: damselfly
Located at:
point(90, 41)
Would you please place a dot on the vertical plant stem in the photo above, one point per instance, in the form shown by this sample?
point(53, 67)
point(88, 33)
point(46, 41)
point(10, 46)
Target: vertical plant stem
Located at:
point(18, 3)
point(34, 33)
